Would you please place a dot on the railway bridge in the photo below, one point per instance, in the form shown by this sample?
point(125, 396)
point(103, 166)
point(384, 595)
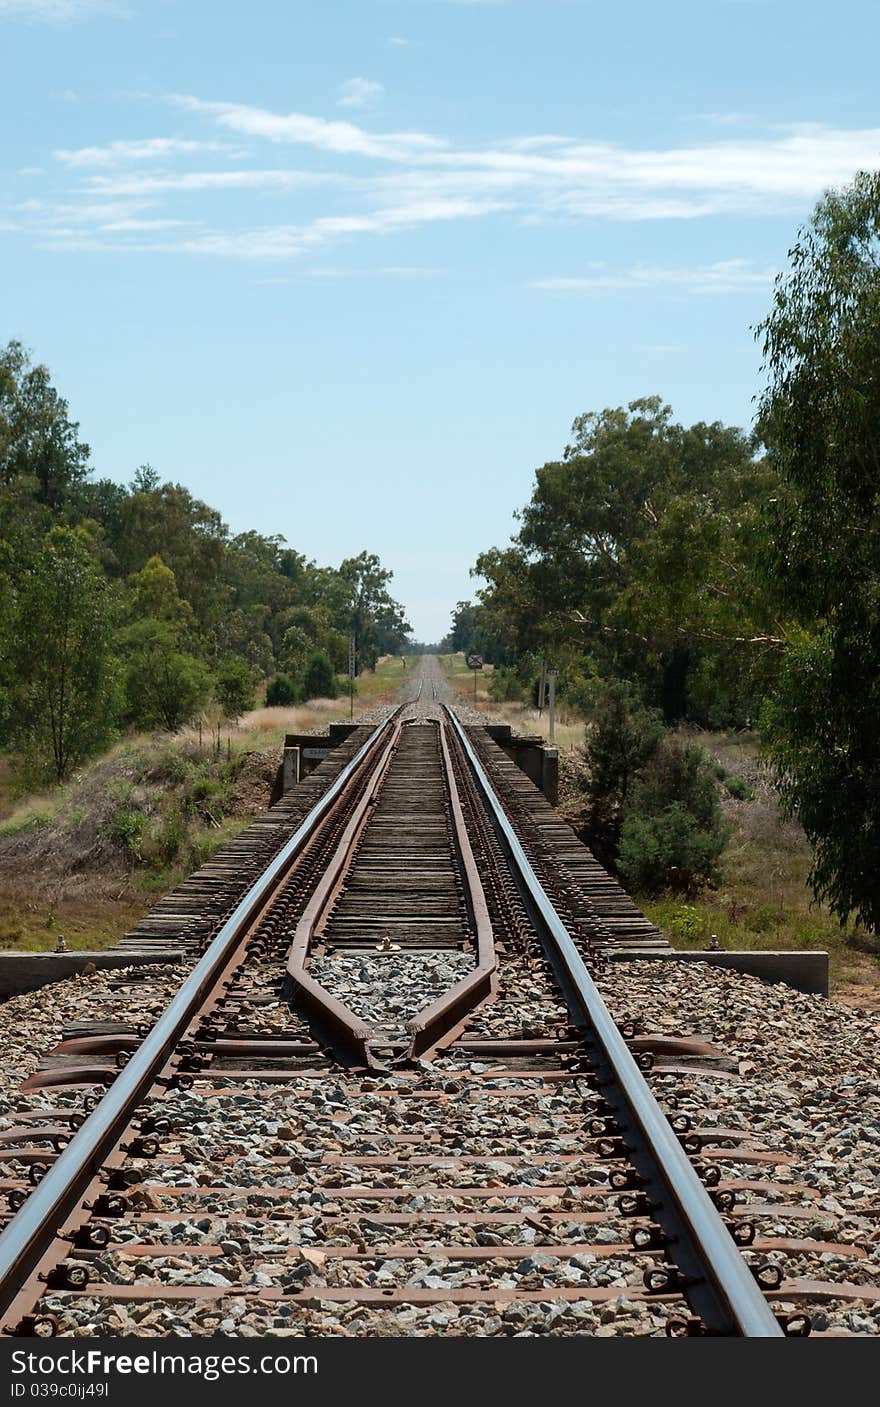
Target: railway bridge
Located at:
point(383, 1091)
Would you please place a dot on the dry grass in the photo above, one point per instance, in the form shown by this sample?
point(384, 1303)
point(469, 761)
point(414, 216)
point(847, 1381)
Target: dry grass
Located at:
point(88, 858)
point(264, 728)
point(764, 901)
point(569, 731)
point(33, 924)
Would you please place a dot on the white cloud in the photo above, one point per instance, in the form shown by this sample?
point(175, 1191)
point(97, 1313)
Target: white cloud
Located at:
point(397, 180)
point(724, 276)
point(399, 41)
point(592, 178)
point(283, 241)
point(300, 129)
point(152, 185)
point(144, 149)
point(360, 92)
point(129, 226)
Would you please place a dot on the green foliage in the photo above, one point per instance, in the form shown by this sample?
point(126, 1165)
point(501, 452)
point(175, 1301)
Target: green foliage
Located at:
point(39, 444)
point(582, 686)
point(234, 688)
point(319, 679)
point(505, 685)
point(376, 621)
point(128, 830)
point(673, 834)
point(281, 692)
point(162, 842)
point(622, 737)
point(685, 925)
point(153, 595)
point(65, 692)
point(737, 788)
point(637, 551)
point(164, 685)
point(821, 410)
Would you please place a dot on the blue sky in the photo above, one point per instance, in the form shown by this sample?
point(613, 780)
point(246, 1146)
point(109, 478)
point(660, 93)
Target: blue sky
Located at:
point(349, 270)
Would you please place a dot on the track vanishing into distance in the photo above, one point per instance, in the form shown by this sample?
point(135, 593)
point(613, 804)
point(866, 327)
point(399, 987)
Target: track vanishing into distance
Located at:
point(387, 1084)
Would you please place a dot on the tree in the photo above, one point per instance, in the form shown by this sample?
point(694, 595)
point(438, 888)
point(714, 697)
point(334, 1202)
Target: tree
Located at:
point(154, 595)
point(189, 536)
point(281, 692)
point(376, 620)
point(38, 440)
point(319, 680)
point(66, 685)
point(165, 685)
point(637, 548)
point(234, 688)
point(622, 736)
point(673, 834)
point(820, 414)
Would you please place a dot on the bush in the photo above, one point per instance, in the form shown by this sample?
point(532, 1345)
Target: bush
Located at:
point(673, 834)
point(738, 789)
point(582, 689)
point(667, 852)
point(687, 924)
point(623, 736)
point(505, 686)
point(281, 692)
point(234, 688)
point(319, 680)
point(163, 842)
point(128, 830)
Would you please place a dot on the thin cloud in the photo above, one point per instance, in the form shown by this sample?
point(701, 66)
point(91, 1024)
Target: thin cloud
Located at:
point(360, 92)
point(301, 129)
point(184, 181)
point(585, 177)
point(120, 153)
point(396, 180)
point(58, 11)
point(63, 226)
point(724, 276)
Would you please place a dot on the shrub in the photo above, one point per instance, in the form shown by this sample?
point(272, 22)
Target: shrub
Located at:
point(673, 834)
point(128, 830)
point(234, 688)
point(319, 680)
point(687, 923)
point(281, 692)
point(667, 852)
point(623, 736)
point(582, 689)
point(505, 686)
point(738, 789)
point(167, 837)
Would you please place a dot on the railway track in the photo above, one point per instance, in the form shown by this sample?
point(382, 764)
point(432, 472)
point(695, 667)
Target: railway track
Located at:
point(389, 1085)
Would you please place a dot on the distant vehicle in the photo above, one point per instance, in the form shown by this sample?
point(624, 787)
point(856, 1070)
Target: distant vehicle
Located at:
point(475, 661)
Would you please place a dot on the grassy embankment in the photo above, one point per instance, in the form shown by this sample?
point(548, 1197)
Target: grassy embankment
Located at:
point(764, 901)
point(88, 859)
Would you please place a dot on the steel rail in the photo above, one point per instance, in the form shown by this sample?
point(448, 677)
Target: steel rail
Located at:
point(33, 1228)
point(436, 1020)
point(740, 1306)
point(330, 1011)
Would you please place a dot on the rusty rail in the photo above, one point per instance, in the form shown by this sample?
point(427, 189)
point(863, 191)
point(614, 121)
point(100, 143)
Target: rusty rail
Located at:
point(430, 1024)
point(328, 1010)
